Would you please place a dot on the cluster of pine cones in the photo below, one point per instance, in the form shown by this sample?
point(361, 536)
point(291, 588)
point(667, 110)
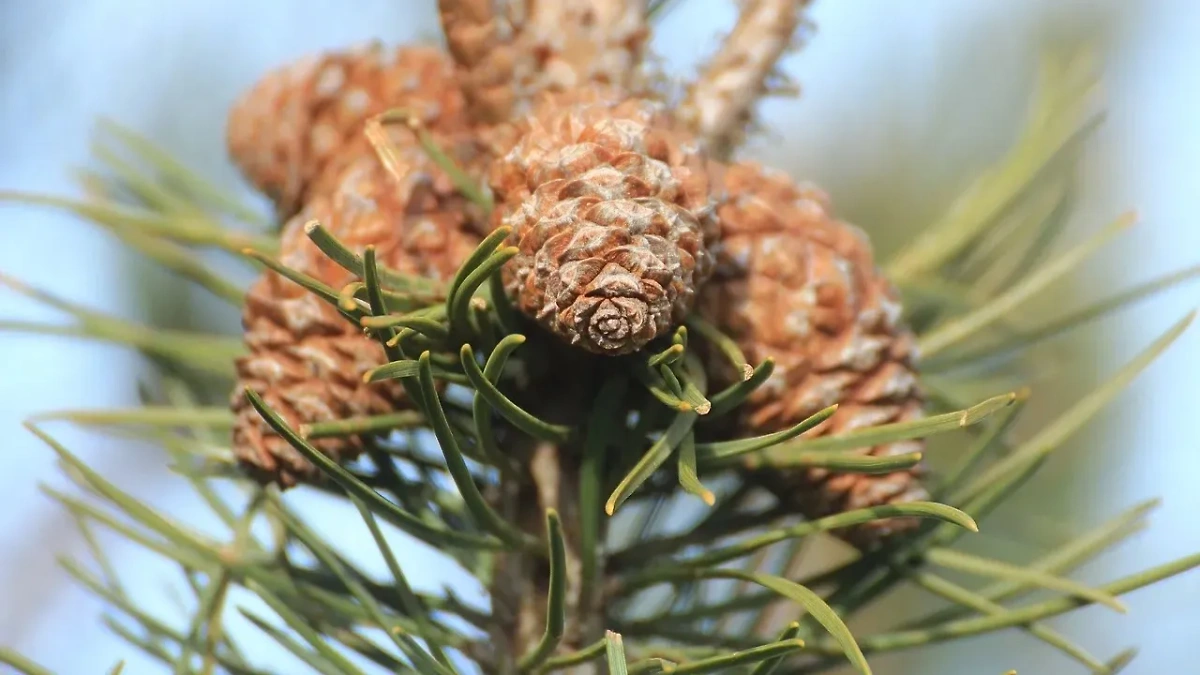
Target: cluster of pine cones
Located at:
point(627, 214)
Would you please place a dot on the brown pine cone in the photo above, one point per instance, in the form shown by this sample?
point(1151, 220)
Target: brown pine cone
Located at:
point(611, 210)
point(287, 130)
point(510, 52)
point(480, 36)
point(794, 284)
point(306, 359)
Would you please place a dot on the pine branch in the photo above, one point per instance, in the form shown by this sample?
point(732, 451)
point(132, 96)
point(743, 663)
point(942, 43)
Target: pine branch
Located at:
point(567, 486)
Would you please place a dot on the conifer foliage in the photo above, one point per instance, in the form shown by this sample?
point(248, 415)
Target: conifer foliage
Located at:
point(519, 305)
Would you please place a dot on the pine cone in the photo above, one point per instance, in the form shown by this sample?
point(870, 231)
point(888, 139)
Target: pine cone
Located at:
point(509, 53)
point(291, 126)
point(306, 359)
point(611, 211)
point(480, 37)
point(794, 284)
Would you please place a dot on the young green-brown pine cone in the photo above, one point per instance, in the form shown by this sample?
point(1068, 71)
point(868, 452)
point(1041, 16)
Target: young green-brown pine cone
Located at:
point(289, 129)
point(306, 359)
point(611, 210)
point(794, 284)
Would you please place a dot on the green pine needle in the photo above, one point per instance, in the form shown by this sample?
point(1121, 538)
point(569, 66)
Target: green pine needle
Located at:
point(972, 600)
point(688, 389)
point(328, 559)
point(1023, 340)
point(409, 601)
point(970, 564)
point(483, 513)
point(774, 651)
point(460, 300)
point(736, 394)
point(743, 446)
point(1014, 617)
point(724, 344)
point(352, 262)
point(186, 229)
point(322, 650)
point(181, 262)
point(206, 353)
point(768, 666)
point(371, 283)
point(956, 330)
point(658, 454)
point(175, 534)
point(308, 283)
point(154, 194)
point(869, 465)
point(1064, 112)
point(466, 185)
point(689, 480)
point(309, 657)
point(152, 416)
point(666, 357)
point(1054, 435)
point(174, 173)
point(435, 535)
point(932, 510)
point(1121, 661)
point(406, 368)
point(430, 320)
point(653, 380)
point(510, 411)
point(785, 454)
point(809, 601)
point(602, 432)
point(354, 426)
point(614, 648)
point(1067, 557)
point(556, 597)
point(482, 252)
point(481, 408)
point(23, 665)
point(589, 653)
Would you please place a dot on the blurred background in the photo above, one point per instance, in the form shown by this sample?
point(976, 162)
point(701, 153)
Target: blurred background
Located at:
point(903, 104)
